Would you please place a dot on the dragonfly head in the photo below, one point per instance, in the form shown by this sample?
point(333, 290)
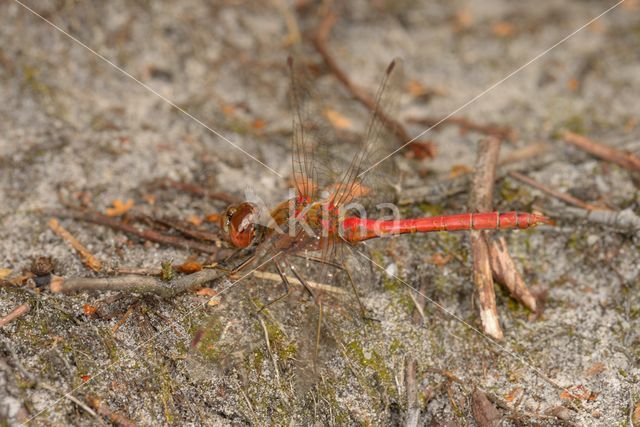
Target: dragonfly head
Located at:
point(238, 224)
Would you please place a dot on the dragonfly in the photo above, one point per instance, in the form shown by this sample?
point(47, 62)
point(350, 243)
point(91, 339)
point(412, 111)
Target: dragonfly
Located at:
point(326, 212)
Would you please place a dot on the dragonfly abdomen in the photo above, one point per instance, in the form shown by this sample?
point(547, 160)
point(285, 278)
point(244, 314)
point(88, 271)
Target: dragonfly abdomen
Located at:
point(358, 229)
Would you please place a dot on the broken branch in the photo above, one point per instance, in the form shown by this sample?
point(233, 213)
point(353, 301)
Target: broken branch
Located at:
point(506, 273)
point(320, 38)
point(20, 310)
point(481, 200)
point(87, 257)
point(466, 125)
point(567, 198)
point(136, 284)
point(624, 159)
point(151, 235)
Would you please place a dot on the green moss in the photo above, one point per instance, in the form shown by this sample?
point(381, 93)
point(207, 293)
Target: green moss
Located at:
point(370, 359)
point(510, 192)
point(208, 345)
point(166, 394)
point(574, 124)
point(430, 209)
point(279, 343)
point(396, 346)
point(167, 270)
point(258, 360)
point(181, 348)
point(33, 82)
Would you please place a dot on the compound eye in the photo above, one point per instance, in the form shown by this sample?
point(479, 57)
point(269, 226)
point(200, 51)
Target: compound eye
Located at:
point(241, 224)
point(225, 220)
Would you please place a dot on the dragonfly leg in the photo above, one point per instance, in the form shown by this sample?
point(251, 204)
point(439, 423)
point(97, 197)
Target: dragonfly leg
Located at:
point(363, 310)
point(285, 283)
point(243, 264)
point(304, 282)
point(320, 260)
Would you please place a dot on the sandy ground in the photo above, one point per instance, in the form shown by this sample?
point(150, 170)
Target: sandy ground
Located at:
point(76, 131)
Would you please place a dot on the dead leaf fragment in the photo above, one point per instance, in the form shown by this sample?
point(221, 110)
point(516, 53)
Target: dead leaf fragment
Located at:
point(573, 84)
point(259, 124)
point(207, 292)
point(503, 29)
point(635, 416)
point(4, 272)
point(194, 219)
point(338, 120)
point(440, 259)
point(578, 392)
point(462, 19)
point(595, 369)
point(484, 413)
point(513, 394)
point(119, 208)
point(459, 170)
point(189, 267)
point(89, 310)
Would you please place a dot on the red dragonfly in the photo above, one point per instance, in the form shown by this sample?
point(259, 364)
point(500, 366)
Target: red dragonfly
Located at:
point(321, 216)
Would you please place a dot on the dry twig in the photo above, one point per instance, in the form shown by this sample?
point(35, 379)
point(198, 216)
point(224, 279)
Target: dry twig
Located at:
point(91, 261)
point(187, 230)
point(625, 220)
point(196, 190)
point(136, 284)
point(320, 37)
point(466, 125)
point(436, 192)
point(265, 275)
point(106, 412)
point(567, 198)
point(151, 235)
point(506, 273)
point(484, 413)
point(624, 159)
point(481, 200)
point(413, 407)
point(20, 310)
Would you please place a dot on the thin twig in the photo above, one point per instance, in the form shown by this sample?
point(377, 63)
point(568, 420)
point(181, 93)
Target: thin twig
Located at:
point(135, 284)
point(625, 220)
point(273, 357)
point(320, 38)
point(151, 235)
point(437, 191)
point(20, 310)
point(69, 396)
point(294, 281)
point(196, 190)
point(142, 271)
point(504, 133)
point(567, 198)
point(115, 417)
point(87, 257)
point(624, 159)
point(188, 231)
point(506, 273)
point(413, 407)
point(411, 365)
point(481, 200)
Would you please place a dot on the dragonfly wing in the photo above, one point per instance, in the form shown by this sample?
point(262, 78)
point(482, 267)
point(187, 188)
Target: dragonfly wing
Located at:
point(368, 176)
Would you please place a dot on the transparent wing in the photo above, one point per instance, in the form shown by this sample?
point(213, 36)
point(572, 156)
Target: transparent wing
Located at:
point(368, 176)
point(328, 159)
